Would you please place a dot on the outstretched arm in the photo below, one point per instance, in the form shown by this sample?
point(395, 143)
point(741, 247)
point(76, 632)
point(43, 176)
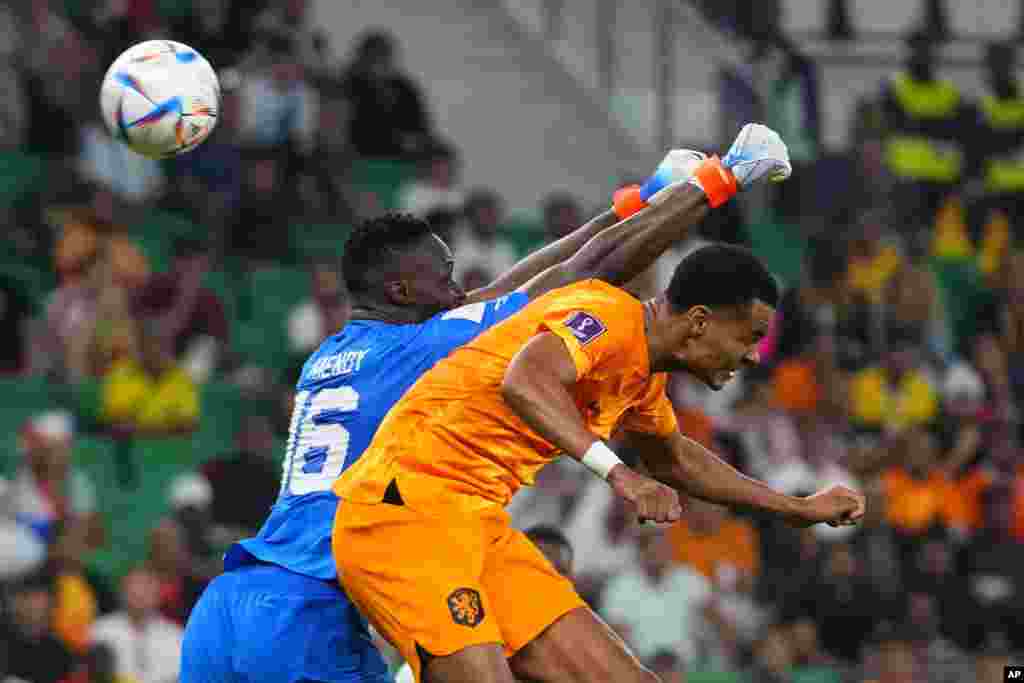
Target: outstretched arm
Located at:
point(623, 251)
point(694, 470)
point(542, 259)
point(680, 193)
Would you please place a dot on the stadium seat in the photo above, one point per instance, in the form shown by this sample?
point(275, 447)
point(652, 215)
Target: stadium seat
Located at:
point(320, 241)
point(714, 677)
point(382, 177)
point(20, 174)
point(816, 675)
point(33, 396)
point(781, 246)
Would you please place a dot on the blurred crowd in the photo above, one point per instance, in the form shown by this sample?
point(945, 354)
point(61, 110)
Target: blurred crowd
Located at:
point(894, 364)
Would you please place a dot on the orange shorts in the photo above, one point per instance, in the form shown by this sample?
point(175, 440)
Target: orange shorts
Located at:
point(440, 583)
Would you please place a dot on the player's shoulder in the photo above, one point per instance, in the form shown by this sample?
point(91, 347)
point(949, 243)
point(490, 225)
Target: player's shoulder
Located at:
point(597, 298)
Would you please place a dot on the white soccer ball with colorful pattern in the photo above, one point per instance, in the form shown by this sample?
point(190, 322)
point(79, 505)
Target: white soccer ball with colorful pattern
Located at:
point(160, 98)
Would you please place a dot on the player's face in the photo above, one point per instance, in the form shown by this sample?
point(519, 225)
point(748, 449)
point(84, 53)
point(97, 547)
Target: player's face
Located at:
point(429, 279)
point(720, 343)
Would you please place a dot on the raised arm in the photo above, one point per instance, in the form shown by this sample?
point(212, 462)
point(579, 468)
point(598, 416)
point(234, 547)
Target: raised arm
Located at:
point(542, 259)
point(685, 187)
point(536, 387)
point(692, 469)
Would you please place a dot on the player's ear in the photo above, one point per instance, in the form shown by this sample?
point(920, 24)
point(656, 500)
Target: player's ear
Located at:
point(398, 292)
point(698, 317)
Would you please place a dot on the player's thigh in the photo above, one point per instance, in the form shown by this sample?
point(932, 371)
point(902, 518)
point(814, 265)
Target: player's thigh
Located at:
point(527, 592)
point(579, 647)
point(483, 663)
point(417, 578)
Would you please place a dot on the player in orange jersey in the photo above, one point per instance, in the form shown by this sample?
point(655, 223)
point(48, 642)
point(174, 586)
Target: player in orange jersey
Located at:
point(421, 539)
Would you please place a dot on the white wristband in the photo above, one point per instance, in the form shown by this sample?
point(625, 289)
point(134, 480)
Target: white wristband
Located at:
point(600, 459)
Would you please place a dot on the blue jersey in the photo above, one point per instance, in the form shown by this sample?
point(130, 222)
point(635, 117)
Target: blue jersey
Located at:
point(346, 388)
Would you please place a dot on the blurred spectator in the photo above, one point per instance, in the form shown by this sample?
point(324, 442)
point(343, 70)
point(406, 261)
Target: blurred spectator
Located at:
point(208, 28)
point(75, 603)
point(33, 653)
point(478, 243)
point(601, 529)
point(389, 117)
point(655, 605)
point(899, 392)
point(710, 540)
point(438, 187)
point(562, 214)
point(146, 646)
point(667, 666)
point(94, 233)
point(927, 122)
point(553, 499)
point(1000, 132)
point(325, 186)
point(325, 312)
point(14, 110)
point(259, 234)
point(47, 490)
point(773, 657)
point(289, 18)
point(278, 104)
point(993, 566)
point(822, 305)
point(844, 604)
point(240, 511)
point(104, 160)
point(206, 183)
point(190, 315)
point(937, 595)
point(890, 654)
point(179, 578)
point(995, 654)
point(190, 498)
point(15, 318)
point(21, 549)
point(873, 259)
point(912, 300)
point(805, 644)
point(918, 488)
point(56, 63)
point(150, 394)
point(553, 544)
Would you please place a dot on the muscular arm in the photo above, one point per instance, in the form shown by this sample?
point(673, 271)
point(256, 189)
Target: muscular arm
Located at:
point(542, 259)
point(536, 388)
point(620, 253)
point(692, 469)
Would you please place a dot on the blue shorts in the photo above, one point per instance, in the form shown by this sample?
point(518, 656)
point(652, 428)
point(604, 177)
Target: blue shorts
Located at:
point(264, 624)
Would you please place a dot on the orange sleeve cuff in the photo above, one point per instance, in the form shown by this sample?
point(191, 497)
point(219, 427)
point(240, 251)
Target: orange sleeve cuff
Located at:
point(627, 201)
point(718, 182)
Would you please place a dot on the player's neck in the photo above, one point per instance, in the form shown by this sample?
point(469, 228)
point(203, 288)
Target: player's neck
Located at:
point(385, 313)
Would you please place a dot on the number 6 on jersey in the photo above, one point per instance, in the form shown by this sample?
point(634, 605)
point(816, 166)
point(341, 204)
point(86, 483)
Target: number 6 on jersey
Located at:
point(318, 439)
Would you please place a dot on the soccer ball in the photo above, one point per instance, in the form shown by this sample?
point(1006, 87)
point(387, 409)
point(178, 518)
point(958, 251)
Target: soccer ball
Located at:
point(160, 98)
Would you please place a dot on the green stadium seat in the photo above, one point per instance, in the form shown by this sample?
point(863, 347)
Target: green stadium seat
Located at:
point(29, 396)
point(276, 290)
point(20, 174)
point(781, 246)
point(816, 675)
point(320, 241)
point(525, 235)
point(714, 677)
point(382, 177)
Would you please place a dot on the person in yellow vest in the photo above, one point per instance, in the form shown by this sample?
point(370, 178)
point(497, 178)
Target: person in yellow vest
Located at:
point(927, 121)
point(998, 157)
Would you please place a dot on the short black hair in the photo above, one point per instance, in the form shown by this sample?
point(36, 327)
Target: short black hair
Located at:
point(543, 533)
point(375, 243)
point(721, 275)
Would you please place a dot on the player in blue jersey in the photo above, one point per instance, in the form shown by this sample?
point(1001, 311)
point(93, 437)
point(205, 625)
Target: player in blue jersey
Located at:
point(277, 613)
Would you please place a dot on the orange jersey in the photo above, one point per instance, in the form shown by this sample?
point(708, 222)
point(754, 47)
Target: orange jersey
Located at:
point(453, 433)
